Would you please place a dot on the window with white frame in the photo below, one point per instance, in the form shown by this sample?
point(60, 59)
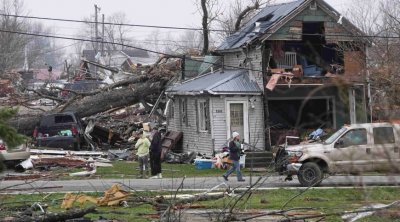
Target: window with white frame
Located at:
point(203, 115)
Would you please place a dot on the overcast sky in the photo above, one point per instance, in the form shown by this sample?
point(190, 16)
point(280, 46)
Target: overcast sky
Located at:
point(180, 13)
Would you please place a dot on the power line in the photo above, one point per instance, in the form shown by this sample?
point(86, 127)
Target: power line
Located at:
point(106, 23)
point(187, 28)
point(124, 45)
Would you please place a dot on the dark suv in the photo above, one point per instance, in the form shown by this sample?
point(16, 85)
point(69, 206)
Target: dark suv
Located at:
point(60, 130)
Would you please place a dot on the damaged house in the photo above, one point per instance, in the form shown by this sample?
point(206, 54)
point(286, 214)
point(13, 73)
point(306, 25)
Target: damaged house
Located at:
point(292, 68)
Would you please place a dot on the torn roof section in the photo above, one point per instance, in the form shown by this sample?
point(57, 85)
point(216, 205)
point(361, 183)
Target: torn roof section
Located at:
point(267, 21)
point(227, 82)
point(260, 24)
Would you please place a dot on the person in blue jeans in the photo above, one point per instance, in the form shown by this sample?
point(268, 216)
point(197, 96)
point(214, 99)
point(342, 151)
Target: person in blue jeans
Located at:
point(234, 155)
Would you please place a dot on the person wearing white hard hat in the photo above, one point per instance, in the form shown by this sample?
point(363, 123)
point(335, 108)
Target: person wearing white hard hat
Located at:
point(234, 155)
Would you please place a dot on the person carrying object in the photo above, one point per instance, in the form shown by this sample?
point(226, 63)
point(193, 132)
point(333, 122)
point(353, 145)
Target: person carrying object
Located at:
point(234, 155)
point(142, 146)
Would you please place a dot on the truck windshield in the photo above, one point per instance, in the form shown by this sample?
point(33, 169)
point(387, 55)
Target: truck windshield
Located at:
point(335, 136)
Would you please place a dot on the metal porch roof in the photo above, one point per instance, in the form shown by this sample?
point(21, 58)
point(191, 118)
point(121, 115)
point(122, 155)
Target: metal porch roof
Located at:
point(227, 82)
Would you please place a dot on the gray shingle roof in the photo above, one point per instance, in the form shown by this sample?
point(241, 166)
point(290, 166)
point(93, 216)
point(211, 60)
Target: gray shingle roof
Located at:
point(227, 82)
point(267, 17)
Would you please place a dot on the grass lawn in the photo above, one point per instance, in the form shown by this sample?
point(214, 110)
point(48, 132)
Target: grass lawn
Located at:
point(323, 200)
point(128, 169)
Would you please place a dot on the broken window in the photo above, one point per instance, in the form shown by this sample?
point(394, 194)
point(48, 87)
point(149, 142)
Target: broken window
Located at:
point(63, 119)
point(355, 137)
point(383, 135)
point(203, 115)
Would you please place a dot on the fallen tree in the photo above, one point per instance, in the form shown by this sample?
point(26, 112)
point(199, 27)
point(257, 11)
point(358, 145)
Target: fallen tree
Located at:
point(140, 88)
point(90, 105)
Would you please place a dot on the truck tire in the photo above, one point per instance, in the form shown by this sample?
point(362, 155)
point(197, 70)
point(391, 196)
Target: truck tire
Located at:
point(310, 174)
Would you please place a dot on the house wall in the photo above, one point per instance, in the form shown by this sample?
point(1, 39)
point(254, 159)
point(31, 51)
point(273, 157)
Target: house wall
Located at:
point(256, 120)
point(237, 60)
point(192, 139)
point(205, 142)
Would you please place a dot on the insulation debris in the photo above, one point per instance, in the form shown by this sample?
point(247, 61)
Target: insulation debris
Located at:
point(113, 196)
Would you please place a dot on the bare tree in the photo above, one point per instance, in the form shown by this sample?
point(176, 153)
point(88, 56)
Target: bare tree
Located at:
point(115, 33)
point(42, 50)
point(11, 45)
point(209, 10)
point(237, 14)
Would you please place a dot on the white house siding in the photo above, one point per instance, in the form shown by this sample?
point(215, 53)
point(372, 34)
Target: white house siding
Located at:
point(203, 142)
point(192, 139)
point(236, 59)
point(218, 121)
point(256, 121)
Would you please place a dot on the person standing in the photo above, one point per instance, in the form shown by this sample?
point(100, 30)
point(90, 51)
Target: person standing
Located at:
point(234, 155)
point(142, 146)
point(155, 155)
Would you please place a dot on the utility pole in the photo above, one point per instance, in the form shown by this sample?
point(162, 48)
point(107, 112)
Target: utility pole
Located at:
point(96, 32)
point(102, 36)
point(96, 50)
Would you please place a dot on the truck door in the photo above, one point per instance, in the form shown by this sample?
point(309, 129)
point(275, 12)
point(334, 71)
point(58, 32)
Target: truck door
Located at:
point(385, 152)
point(352, 152)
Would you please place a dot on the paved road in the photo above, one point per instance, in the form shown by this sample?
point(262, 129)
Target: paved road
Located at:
point(202, 183)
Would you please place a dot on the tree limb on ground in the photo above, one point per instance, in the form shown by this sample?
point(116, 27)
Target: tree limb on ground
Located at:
point(55, 217)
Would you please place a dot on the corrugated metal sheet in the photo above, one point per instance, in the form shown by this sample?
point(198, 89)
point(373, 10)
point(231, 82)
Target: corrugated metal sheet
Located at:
point(266, 18)
point(227, 82)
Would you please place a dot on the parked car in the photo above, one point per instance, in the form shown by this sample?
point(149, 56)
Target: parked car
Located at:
point(356, 148)
point(60, 130)
point(12, 157)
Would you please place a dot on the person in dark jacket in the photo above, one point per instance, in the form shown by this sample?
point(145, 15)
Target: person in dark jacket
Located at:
point(234, 155)
point(155, 155)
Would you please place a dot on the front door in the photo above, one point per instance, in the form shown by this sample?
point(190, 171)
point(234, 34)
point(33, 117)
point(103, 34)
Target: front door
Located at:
point(237, 119)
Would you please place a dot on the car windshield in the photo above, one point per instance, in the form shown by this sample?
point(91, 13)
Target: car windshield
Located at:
point(335, 136)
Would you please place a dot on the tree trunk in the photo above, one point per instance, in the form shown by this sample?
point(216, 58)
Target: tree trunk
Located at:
point(242, 14)
point(205, 27)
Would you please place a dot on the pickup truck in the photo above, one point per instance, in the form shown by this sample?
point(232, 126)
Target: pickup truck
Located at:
point(354, 149)
point(59, 130)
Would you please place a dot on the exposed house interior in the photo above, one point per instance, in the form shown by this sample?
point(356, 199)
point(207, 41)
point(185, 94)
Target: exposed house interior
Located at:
point(310, 113)
point(315, 56)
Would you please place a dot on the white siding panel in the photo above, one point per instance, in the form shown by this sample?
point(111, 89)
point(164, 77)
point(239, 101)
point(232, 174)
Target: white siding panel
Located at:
point(256, 124)
point(236, 59)
point(219, 122)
